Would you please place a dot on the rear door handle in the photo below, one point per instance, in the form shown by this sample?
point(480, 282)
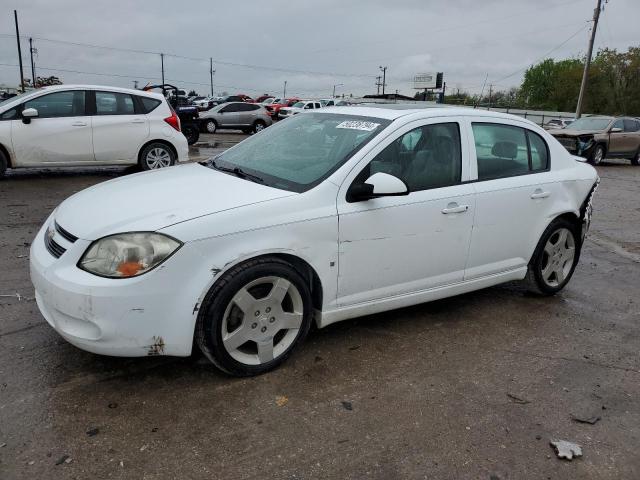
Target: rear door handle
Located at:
point(453, 207)
point(539, 193)
point(79, 124)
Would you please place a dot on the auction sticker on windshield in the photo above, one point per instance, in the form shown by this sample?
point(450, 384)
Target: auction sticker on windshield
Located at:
point(358, 125)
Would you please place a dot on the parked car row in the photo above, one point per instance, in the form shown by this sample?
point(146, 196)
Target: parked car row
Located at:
point(598, 137)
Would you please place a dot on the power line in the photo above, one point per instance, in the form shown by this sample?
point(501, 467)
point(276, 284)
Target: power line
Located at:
point(543, 56)
point(199, 59)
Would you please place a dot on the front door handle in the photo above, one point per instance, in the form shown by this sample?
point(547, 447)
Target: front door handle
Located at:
point(79, 124)
point(539, 193)
point(453, 207)
point(137, 120)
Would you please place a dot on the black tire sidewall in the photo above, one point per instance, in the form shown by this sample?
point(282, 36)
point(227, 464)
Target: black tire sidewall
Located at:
point(143, 155)
point(218, 298)
point(3, 164)
point(206, 128)
point(190, 131)
point(254, 129)
point(636, 158)
point(536, 260)
point(593, 155)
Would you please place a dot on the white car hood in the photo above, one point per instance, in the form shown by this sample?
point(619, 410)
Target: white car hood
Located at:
point(153, 200)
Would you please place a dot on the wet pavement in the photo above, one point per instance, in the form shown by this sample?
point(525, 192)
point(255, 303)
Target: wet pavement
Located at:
point(473, 386)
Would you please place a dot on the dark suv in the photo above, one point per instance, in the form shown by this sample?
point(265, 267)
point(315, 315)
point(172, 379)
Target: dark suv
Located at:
point(596, 138)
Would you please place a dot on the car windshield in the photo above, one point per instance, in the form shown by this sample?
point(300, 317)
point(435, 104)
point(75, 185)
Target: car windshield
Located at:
point(300, 152)
point(299, 104)
point(277, 100)
point(588, 123)
point(18, 97)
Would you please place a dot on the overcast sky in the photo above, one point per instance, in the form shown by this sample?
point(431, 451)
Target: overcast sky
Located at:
point(313, 45)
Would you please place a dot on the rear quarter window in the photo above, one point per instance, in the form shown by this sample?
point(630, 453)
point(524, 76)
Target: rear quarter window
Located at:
point(149, 104)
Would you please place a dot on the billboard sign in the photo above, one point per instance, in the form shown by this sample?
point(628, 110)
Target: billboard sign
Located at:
point(423, 81)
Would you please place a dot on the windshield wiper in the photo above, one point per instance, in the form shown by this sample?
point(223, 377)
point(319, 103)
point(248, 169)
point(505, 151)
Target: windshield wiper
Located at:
point(238, 172)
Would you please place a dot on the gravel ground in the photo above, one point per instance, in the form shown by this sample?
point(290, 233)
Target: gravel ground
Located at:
point(473, 386)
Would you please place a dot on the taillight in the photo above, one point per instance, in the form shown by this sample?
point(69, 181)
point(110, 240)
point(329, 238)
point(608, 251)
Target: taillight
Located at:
point(173, 120)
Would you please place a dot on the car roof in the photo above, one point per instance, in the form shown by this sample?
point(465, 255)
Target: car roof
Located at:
point(132, 91)
point(392, 112)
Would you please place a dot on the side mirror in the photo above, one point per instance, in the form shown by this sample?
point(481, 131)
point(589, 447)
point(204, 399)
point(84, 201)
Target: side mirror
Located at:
point(28, 114)
point(378, 185)
point(615, 130)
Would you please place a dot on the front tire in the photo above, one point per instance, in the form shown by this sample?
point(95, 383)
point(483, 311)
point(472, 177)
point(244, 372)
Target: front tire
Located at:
point(210, 126)
point(554, 259)
point(156, 155)
point(258, 126)
point(254, 316)
point(636, 159)
point(191, 133)
point(597, 155)
point(3, 164)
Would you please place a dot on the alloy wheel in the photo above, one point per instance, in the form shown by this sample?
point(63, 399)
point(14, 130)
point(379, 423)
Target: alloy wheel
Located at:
point(210, 126)
point(262, 320)
point(158, 158)
point(557, 259)
point(258, 128)
point(598, 156)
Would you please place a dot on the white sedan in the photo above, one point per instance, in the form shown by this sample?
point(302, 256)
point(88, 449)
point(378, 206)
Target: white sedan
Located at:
point(328, 216)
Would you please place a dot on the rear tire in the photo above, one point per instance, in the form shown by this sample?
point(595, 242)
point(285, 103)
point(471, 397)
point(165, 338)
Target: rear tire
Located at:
point(597, 155)
point(3, 164)
point(156, 155)
point(554, 259)
point(254, 316)
point(636, 159)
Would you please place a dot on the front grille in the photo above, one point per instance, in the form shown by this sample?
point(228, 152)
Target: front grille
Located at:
point(568, 143)
point(54, 248)
point(64, 234)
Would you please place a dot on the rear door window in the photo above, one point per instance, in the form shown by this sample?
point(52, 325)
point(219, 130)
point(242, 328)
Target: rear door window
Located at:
point(113, 103)
point(507, 151)
point(630, 125)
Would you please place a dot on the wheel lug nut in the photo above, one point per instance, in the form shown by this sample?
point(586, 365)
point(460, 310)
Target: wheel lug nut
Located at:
point(272, 319)
point(263, 329)
point(254, 325)
point(257, 314)
point(268, 309)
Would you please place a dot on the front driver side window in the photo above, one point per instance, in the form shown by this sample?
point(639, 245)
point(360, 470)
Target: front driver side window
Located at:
point(425, 157)
point(59, 104)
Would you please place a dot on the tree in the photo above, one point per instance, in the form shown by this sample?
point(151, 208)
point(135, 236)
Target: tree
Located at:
point(192, 93)
point(43, 82)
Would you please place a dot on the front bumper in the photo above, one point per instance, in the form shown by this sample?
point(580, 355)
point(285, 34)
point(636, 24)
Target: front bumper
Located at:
point(152, 314)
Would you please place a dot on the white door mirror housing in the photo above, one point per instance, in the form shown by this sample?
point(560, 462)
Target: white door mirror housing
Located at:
point(28, 114)
point(378, 185)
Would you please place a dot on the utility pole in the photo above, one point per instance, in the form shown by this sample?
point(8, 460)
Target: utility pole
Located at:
point(211, 72)
point(490, 93)
point(284, 92)
point(378, 79)
point(162, 65)
point(33, 67)
point(444, 91)
point(334, 88)
point(587, 63)
point(135, 84)
point(15, 16)
point(384, 77)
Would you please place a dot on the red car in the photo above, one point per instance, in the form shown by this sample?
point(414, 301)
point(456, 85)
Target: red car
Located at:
point(275, 107)
point(262, 98)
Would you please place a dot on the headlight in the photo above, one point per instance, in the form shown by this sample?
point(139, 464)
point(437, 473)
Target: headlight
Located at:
point(127, 254)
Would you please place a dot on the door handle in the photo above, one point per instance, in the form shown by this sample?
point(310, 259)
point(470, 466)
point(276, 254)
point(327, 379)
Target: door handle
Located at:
point(539, 193)
point(79, 124)
point(137, 120)
point(453, 207)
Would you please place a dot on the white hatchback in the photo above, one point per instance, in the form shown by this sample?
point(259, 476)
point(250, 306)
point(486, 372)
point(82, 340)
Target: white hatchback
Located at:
point(84, 125)
point(328, 216)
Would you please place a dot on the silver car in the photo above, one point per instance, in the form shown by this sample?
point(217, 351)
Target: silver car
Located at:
point(248, 117)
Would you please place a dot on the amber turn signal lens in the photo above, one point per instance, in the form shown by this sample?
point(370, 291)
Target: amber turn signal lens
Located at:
point(129, 269)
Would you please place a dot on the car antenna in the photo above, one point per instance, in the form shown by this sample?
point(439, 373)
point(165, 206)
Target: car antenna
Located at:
point(481, 92)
